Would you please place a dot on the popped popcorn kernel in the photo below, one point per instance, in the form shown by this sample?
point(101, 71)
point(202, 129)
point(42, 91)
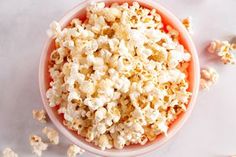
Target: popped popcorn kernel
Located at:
point(74, 150)
point(8, 152)
point(119, 77)
point(55, 29)
point(223, 49)
point(174, 34)
point(187, 22)
point(37, 145)
point(40, 115)
point(233, 46)
point(51, 134)
point(209, 77)
point(104, 142)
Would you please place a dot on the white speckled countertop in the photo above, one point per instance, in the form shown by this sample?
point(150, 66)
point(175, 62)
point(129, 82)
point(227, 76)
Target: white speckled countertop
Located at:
point(211, 129)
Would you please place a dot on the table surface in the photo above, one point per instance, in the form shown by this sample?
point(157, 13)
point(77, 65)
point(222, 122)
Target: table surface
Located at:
point(211, 129)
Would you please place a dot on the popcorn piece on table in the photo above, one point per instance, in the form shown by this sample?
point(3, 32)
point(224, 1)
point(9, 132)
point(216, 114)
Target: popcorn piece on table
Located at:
point(39, 115)
point(37, 145)
point(209, 77)
point(8, 152)
point(51, 134)
point(187, 22)
point(74, 150)
point(223, 49)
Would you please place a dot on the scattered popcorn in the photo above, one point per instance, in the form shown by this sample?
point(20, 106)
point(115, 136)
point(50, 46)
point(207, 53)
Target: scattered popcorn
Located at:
point(223, 49)
point(37, 145)
point(209, 77)
point(187, 22)
point(51, 134)
point(8, 152)
point(120, 77)
point(74, 150)
point(39, 115)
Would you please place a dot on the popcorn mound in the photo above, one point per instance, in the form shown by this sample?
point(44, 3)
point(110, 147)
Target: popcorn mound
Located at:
point(119, 77)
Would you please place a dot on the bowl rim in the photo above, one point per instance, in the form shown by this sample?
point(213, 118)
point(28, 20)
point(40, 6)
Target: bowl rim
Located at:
point(171, 133)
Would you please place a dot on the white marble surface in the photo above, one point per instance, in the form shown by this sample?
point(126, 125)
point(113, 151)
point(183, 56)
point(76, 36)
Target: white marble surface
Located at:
point(210, 131)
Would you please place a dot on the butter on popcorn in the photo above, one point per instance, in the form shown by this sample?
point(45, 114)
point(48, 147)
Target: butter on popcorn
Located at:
point(120, 77)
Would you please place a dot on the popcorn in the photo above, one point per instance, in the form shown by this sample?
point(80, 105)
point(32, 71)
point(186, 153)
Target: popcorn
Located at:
point(51, 134)
point(173, 33)
point(122, 84)
point(94, 103)
point(163, 127)
point(74, 150)
point(187, 22)
point(100, 114)
point(8, 152)
point(177, 56)
point(119, 143)
point(101, 127)
point(118, 78)
point(87, 87)
point(55, 29)
point(223, 50)
point(233, 46)
point(37, 145)
point(39, 115)
point(171, 76)
point(209, 77)
point(104, 142)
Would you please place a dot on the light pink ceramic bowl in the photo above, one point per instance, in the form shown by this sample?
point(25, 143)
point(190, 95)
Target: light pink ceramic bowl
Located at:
point(133, 150)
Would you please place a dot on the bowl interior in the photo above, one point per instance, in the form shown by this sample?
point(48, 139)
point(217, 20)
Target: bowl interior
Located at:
point(193, 76)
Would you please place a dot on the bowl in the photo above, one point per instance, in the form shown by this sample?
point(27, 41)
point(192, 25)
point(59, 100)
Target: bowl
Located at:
point(133, 150)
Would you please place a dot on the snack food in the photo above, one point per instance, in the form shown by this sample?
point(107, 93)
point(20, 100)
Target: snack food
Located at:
point(209, 77)
point(120, 76)
point(187, 22)
point(51, 134)
point(37, 145)
point(8, 152)
point(74, 150)
point(223, 49)
point(40, 115)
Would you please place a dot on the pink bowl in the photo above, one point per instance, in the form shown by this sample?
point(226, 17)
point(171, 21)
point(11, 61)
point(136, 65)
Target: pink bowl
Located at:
point(133, 150)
